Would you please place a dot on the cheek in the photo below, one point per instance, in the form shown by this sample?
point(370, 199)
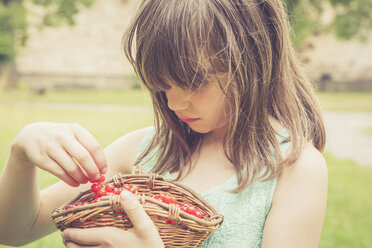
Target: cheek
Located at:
point(220, 112)
point(213, 104)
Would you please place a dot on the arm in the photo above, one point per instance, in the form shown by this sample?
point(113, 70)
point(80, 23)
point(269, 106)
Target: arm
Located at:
point(48, 146)
point(299, 204)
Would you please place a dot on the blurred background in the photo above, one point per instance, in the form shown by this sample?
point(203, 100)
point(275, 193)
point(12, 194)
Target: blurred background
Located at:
point(62, 60)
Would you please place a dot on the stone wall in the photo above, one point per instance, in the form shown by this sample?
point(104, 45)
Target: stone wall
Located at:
point(338, 65)
point(88, 54)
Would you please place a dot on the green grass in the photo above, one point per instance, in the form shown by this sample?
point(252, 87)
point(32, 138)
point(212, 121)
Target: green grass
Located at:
point(330, 101)
point(346, 101)
point(126, 97)
point(348, 220)
point(369, 130)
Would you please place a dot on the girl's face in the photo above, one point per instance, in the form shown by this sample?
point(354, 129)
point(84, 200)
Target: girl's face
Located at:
point(203, 110)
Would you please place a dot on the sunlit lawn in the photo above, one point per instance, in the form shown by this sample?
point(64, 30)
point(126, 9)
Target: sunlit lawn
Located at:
point(348, 220)
point(346, 101)
point(369, 130)
point(126, 97)
point(330, 101)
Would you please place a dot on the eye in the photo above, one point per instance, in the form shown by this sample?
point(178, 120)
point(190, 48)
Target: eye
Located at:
point(197, 89)
point(199, 83)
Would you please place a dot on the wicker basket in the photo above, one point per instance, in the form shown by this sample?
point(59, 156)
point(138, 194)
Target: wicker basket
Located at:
point(185, 231)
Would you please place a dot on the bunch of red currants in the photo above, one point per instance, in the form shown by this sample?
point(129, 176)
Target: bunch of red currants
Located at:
point(186, 207)
point(99, 190)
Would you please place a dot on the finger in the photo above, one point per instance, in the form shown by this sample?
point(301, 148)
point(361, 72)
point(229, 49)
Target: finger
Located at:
point(83, 158)
point(139, 218)
point(63, 159)
point(71, 244)
point(92, 146)
point(59, 172)
point(84, 237)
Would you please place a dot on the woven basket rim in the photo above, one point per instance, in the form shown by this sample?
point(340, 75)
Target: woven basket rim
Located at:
point(160, 177)
point(216, 219)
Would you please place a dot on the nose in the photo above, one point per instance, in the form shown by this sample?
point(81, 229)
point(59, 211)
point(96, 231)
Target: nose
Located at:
point(177, 98)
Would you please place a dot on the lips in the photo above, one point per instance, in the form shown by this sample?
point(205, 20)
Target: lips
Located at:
point(187, 119)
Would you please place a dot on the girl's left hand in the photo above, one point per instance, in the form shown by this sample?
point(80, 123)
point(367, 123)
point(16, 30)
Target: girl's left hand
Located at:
point(143, 233)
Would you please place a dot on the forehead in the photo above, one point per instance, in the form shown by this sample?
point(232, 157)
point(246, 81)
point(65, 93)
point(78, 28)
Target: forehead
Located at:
point(172, 66)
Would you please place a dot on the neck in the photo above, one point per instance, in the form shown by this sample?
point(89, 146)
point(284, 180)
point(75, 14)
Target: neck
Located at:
point(216, 136)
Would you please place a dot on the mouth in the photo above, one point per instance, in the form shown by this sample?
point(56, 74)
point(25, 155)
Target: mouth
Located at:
point(187, 120)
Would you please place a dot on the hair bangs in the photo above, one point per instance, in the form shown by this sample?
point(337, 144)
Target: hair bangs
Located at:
point(174, 45)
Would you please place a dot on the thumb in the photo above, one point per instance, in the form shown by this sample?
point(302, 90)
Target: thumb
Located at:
point(133, 208)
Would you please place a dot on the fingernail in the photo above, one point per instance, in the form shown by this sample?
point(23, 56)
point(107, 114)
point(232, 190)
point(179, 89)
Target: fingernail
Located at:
point(96, 177)
point(103, 170)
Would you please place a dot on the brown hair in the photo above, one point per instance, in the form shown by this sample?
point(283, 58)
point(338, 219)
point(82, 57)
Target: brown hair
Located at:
point(249, 41)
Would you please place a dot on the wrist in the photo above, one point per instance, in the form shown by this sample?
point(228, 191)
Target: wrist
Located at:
point(18, 157)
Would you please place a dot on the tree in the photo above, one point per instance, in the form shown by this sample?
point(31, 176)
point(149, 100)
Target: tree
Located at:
point(13, 24)
point(351, 18)
point(346, 18)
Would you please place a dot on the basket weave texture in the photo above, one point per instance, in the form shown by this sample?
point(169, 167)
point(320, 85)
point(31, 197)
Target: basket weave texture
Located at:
point(186, 231)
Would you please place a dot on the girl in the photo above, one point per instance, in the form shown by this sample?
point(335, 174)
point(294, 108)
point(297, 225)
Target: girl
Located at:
point(235, 119)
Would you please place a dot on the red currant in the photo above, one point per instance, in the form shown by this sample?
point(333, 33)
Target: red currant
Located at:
point(96, 187)
point(183, 208)
point(186, 204)
point(100, 193)
point(68, 207)
point(168, 198)
point(157, 197)
point(191, 210)
point(116, 191)
point(172, 199)
point(127, 187)
point(134, 189)
point(110, 188)
point(199, 213)
point(170, 222)
point(102, 178)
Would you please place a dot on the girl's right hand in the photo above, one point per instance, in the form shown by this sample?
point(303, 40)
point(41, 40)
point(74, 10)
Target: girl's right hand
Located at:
point(67, 151)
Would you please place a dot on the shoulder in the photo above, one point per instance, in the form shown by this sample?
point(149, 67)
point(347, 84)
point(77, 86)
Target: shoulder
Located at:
point(122, 153)
point(309, 168)
point(298, 208)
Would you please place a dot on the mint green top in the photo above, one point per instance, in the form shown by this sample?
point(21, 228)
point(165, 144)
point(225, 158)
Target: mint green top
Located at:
point(244, 212)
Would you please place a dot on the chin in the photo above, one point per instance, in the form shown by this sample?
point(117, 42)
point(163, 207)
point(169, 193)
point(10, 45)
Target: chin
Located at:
point(204, 129)
point(201, 130)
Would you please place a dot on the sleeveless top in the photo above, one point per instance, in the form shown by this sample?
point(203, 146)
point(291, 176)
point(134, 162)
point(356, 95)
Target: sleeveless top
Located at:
point(244, 212)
